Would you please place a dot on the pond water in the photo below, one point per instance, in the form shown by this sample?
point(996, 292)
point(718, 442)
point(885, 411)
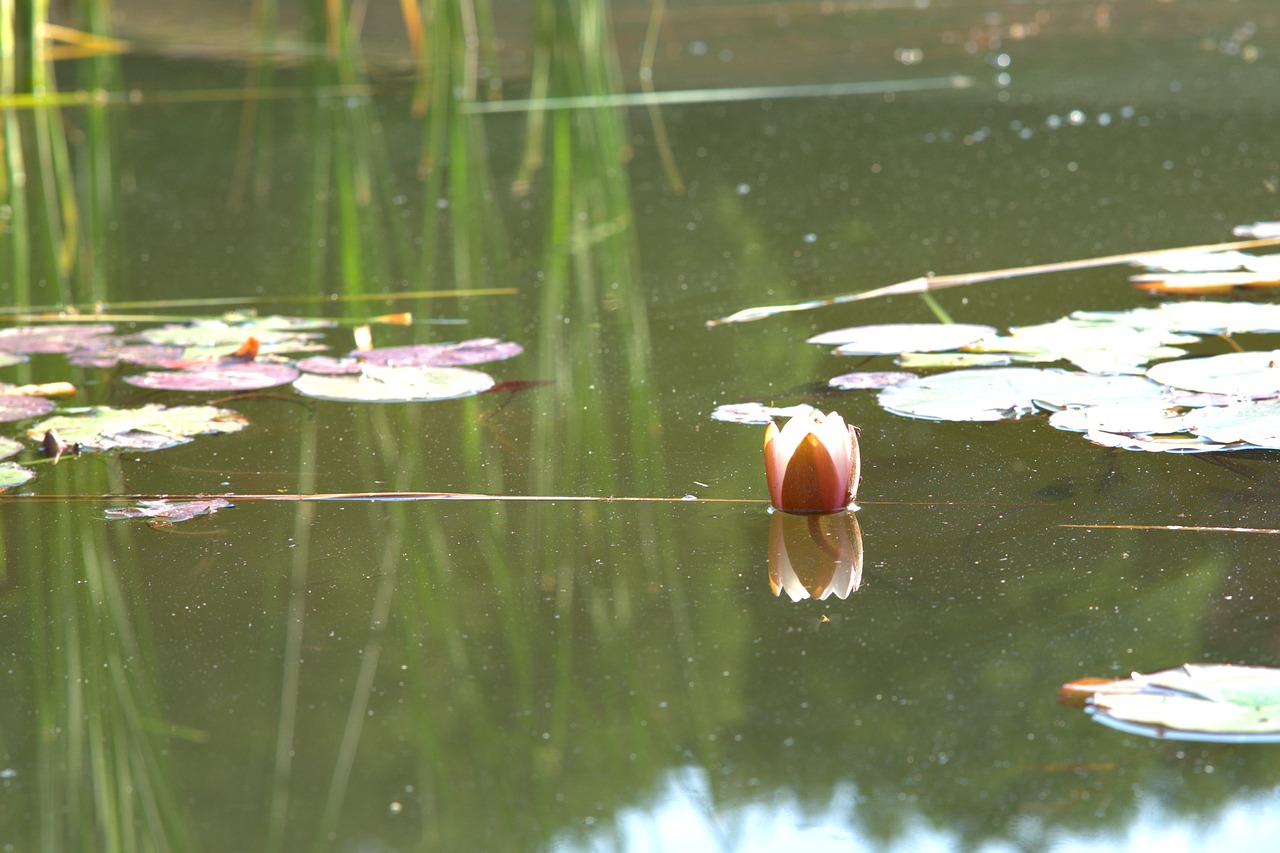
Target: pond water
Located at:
point(572, 674)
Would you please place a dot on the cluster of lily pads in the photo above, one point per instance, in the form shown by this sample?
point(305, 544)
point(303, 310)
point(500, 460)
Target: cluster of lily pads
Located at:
point(1116, 397)
point(230, 354)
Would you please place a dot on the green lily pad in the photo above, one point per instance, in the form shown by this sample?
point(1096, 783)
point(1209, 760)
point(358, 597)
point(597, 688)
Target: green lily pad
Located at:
point(274, 334)
point(1203, 317)
point(8, 359)
point(1201, 702)
point(9, 446)
point(152, 427)
point(893, 338)
point(376, 384)
point(1239, 374)
point(953, 360)
point(12, 474)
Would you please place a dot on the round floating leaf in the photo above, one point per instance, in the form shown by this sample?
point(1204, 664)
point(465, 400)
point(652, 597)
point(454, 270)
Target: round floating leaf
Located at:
point(477, 351)
point(1177, 443)
point(111, 354)
point(1241, 374)
point(893, 338)
point(856, 381)
point(757, 413)
point(13, 474)
point(16, 408)
point(395, 384)
point(151, 427)
point(936, 360)
point(1143, 417)
point(1201, 702)
point(56, 338)
point(8, 359)
point(9, 446)
point(329, 365)
point(1204, 317)
point(1097, 348)
point(274, 334)
point(1009, 392)
point(231, 376)
point(1256, 423)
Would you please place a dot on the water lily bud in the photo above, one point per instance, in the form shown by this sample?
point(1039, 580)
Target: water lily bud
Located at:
point(812, 464)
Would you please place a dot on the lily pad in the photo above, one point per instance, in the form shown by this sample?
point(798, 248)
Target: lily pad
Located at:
point(1097, 348)
point(230, 376)
point(12, 474)
point(113, 352)
point(953, 360)
point(1009, 392)
point(8, 359)
point(274, 334)
point(1203, 317)
point(893, 338)
point(1258, 230)
point(152, 427)
point(377, 384)
point(53, 338)
point(9, 446)
point(856, 381)
point(170, 512)
point(329, 365)
point(756, 413)
point(1255, 423)
point(16, 408)
point(1216, 703)
point(1240, 374)
point(477, 351)
point(1143, 417)
point(1158, 443)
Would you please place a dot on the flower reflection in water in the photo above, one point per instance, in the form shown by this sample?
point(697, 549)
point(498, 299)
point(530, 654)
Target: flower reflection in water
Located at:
point(814, 556)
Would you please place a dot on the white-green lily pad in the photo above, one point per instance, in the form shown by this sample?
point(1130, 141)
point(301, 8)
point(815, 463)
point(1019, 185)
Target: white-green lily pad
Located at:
point(152, 427)
point(1240, 374)
point(1143, 417)
point(1159, 443)
point(8, 359)
point(1097, 348)
point(376, 384)
point(1258, 230)
point(1256, 423)
point(274, 334)
point(1200, 702)
point(757, 413)
point(953, 360)
point(12, 474)
point(1009, 392)
point(1203, 317)
point(893, 338)
point(9, 446)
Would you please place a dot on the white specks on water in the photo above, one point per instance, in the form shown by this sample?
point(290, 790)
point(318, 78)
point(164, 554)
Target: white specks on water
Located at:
point(743, 189)
point(811, 237)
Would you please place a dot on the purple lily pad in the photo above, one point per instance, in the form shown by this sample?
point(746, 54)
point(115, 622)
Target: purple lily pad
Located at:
point(856, 381)
point(230, 376)
point(170, 512)
point(475, 351)
point(56, 338)
point(16, 408)
point(114, 352)
point(329, 366)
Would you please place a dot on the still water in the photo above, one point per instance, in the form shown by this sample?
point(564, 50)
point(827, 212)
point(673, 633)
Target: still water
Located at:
point(566, 674)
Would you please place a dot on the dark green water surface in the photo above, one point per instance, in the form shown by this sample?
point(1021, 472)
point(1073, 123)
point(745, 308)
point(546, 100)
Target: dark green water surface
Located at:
point(572, 675)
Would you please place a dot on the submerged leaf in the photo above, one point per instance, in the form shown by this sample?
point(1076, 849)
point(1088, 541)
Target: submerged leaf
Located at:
point(152, 427)
point(377, 384)
point(218, 376)
point(1200, 702)
point(170, 512)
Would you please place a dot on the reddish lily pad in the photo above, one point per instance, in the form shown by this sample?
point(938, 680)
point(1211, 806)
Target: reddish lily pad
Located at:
point(377, 384)
point(477, 351)
point(152, 427)
point(12, 474)
point(227, 376)
point(170, 512)
point(16, 408)
point(55, 338)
